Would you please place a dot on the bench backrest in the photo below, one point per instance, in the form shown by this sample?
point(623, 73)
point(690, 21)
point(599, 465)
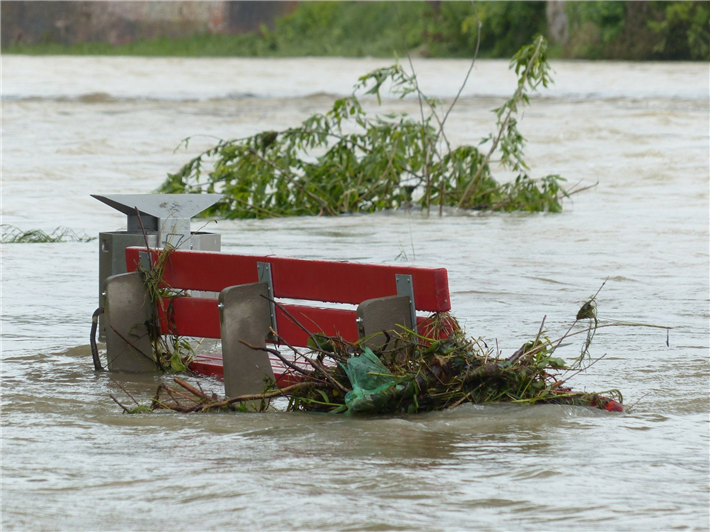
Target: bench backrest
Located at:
point(311, 280)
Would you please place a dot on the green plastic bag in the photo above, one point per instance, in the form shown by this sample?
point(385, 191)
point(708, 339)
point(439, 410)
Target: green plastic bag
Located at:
point(368, 377)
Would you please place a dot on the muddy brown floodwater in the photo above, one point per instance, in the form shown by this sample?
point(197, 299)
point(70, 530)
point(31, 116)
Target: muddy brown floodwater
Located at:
point(72, 461)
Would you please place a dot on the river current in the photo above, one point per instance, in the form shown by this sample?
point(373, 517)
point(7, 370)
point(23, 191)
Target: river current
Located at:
point(71, 460)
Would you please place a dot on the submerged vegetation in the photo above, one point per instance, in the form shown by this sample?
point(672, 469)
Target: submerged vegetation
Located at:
point(15, 235)
point(347, 160)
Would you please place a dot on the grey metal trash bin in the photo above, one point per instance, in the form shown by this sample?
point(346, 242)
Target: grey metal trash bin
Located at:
point(165, 218)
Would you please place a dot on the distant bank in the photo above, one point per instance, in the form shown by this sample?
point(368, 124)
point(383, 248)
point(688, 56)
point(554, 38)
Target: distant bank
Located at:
point(589, 30)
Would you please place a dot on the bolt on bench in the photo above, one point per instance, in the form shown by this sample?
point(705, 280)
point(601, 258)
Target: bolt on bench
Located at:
point(245, 310)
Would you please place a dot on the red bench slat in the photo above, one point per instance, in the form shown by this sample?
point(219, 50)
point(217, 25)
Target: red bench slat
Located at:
point(331, 322)
point(199, 317)
point(335, 282)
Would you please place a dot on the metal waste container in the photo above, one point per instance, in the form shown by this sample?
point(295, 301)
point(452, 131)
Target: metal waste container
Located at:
point(165, 218)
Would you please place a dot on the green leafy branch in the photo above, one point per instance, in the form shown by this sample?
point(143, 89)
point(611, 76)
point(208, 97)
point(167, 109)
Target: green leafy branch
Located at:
point(348, 160)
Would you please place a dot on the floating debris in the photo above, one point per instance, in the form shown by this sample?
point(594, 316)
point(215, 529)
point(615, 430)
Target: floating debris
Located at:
point(439, 369)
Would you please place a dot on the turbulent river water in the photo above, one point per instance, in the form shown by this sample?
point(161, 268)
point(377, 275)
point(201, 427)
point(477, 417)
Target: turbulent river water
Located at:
point(72, 461)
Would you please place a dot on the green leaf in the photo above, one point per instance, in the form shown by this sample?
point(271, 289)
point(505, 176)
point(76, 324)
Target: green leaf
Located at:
point(176, 363)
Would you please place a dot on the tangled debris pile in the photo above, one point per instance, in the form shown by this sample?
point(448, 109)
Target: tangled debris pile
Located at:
point(438, 369)
point(415, 373)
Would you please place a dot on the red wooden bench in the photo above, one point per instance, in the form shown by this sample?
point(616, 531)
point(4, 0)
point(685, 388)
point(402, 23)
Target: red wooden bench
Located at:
point(244, 311)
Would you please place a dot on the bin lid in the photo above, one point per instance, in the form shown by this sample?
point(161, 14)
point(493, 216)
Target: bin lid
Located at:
point(161, 206)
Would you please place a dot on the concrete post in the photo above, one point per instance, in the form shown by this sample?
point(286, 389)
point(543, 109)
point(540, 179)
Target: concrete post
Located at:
point(382, 314)
point(245, 316)
point(128, 312)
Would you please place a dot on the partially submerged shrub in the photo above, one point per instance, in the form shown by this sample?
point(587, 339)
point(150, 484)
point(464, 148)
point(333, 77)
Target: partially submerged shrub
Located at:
point(347, 160)
point(15, 235)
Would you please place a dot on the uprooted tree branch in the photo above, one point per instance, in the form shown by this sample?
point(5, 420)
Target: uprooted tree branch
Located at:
point(347, 160)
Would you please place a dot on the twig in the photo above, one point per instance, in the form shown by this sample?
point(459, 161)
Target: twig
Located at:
point(560, 383)
point(411, 65)
point(317, 365)
point(171, 392)
point(296, 322)
point(119, 404)
point(494, 145)
point(479, 25)
point(255, 397)
point(596, 325)
point(276, 353)
point(427, 154)
point(157, 403)
point(537, 338)
point(520, 352)
point(457, 403)
point(191, 389)
point(515, 356)
point(621, 324)
point(628, 408)
point(186, 141)
point(600, 289)
point(577, 190)
point(540, 331)
point(125, 391)
point(145, 235)
point(558, 341)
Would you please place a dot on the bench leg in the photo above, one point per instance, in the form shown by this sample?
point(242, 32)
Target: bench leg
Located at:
point(128, 311)
point(245, 315)
point(382, 314)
